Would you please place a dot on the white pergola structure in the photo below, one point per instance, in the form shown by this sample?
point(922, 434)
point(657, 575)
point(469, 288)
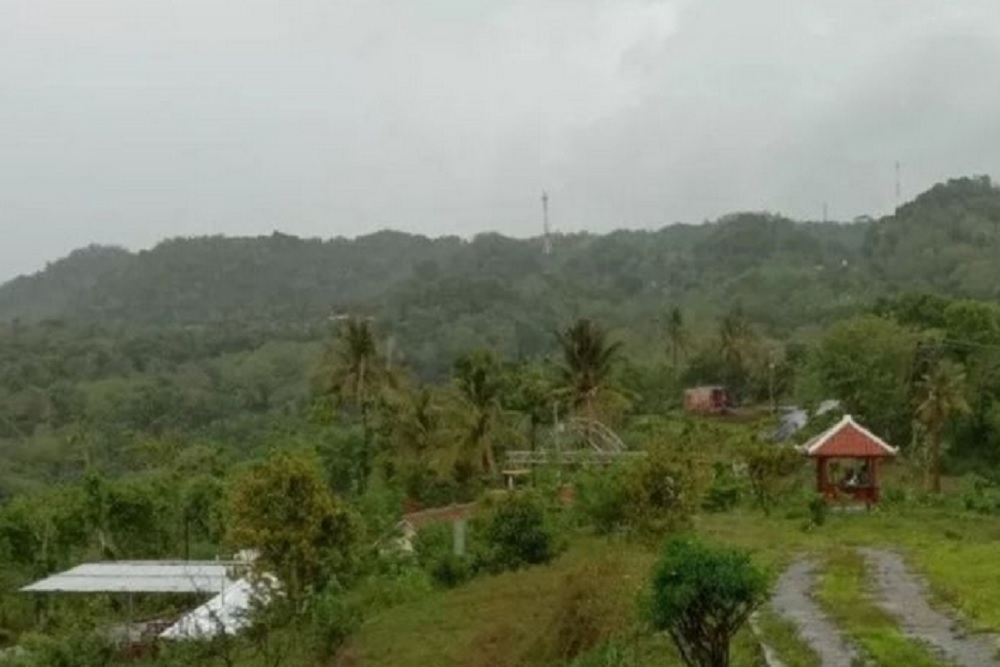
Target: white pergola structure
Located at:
point(226, 611)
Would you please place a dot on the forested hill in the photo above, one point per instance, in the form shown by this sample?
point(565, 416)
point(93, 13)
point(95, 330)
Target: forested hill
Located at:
point(506, 293)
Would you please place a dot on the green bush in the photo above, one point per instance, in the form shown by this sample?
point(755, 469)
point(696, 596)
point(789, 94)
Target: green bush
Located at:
point(648, 497)
point(517, 532)
point(332, 618)
point(79, 649)
point(660, 494)
point(701, 596)
point(818, 510)
point(591, 609)
point(983, 496)
point(602, 499)
point(406, 583)
point(725, 492)
point(771, 470)
point(434, 548)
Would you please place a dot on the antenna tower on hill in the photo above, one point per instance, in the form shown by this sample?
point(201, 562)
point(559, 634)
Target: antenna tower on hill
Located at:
point(899, 184)
point(547, 239)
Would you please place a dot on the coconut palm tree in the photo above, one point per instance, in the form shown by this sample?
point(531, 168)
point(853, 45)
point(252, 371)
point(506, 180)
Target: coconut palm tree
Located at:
point(479, 381)
point(589, 359)
point(942, 396)
point(355, 374)
point(677, 334)
point(736, 339)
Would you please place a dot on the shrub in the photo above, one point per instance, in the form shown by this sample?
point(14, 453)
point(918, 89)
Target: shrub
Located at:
point(517, 532)
point(647, 497)
point(659, 493)
point(701, 596)
point(983, 497)
point(818, 510)
point(590, 610)
point(79, 649)
point(725, 491)
point(333, 617)
point(601, 499)
point(770, 469)
point(388, 589)
point(434, 548)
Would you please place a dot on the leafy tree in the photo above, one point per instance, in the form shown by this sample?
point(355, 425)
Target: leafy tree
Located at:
point(589, 360)
point(941, 398)
point(701, 596)
point(283, 508)
point(867, 362)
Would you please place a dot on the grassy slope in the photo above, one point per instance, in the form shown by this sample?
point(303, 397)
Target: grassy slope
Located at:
point(508, 620)
point(511, 619)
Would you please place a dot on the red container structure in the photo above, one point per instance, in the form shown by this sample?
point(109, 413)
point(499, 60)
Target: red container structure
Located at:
point(864, 451)
point(706, 400)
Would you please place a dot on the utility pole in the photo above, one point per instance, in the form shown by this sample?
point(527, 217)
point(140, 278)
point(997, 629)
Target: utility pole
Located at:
point(547, 239)
point(825, 212)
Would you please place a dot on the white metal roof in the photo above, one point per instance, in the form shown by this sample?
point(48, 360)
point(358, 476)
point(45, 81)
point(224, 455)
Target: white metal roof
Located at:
point(139, 577)
point(228, 612)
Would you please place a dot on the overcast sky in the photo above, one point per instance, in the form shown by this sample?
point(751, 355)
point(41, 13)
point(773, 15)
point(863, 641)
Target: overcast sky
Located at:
point(126, 121)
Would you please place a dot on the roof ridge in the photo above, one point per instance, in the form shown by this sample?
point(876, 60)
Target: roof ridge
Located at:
point(819, 441)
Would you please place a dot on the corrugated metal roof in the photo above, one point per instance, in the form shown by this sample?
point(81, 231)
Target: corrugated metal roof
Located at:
point(228, 613)
point(139, 577)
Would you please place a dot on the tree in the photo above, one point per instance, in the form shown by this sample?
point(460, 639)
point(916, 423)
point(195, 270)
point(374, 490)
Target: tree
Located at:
point(478, 377)
point(701, 596)
point(867, 362)
point(517, 532)
point(677, 334)
point(768, 467)
point(589, 359)
point(736, 340)
point(355, 375)
point(529, 392)
point(283, 508)
point(942, 396)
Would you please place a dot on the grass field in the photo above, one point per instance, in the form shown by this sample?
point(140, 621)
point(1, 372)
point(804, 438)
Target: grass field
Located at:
point(522, 618)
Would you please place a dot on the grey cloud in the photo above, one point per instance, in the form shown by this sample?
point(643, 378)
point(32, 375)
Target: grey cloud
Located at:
point(125, 122)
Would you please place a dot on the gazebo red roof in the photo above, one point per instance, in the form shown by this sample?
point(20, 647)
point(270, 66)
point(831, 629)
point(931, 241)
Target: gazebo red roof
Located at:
point(848, 439)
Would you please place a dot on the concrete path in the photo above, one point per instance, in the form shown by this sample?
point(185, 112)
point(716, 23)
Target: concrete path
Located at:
point(793, 600)
point(904, 596)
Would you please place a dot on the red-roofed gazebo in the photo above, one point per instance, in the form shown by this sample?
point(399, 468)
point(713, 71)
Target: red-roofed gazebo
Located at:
point(849, 440)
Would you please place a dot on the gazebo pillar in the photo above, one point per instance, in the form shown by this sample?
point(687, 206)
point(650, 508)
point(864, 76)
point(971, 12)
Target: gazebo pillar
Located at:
point(873, 475)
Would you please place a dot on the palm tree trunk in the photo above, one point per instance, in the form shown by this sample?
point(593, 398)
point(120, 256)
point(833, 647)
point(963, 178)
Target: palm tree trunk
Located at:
point(935, 462)
point(365, 462)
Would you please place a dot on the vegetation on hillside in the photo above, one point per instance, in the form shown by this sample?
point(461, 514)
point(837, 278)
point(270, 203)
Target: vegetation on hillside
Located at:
point(298, 396)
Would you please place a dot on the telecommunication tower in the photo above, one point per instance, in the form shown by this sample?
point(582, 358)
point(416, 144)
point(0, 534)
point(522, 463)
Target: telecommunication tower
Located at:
point(547, 238)
point(899, 184)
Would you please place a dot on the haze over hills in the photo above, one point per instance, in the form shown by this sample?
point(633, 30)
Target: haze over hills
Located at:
point(946, 239)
